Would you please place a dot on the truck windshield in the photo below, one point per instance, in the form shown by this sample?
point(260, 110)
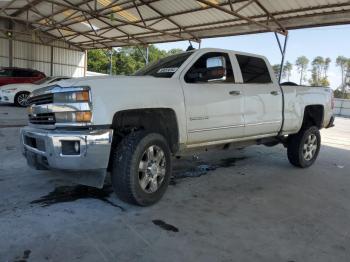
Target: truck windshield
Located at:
point(164, 67)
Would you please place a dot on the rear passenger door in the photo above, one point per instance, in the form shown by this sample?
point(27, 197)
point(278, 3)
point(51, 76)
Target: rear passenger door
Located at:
point(262, 97)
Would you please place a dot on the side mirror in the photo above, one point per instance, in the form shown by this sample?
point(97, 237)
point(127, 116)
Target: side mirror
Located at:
point(205, 74)
point(217, 72)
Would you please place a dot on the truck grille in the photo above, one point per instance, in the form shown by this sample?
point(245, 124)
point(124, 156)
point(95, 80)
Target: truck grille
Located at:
point(41, 99)
point(42, 119)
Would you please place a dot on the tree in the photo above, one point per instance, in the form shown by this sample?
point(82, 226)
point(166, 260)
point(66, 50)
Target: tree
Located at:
point(341, 61)
point(126, 60)
point(287, 70)
point(344, 64)
point(98, 61)
point(327, 62)
point(302, 63)
point(347, 75)
point(277, 68)
point(319, 71)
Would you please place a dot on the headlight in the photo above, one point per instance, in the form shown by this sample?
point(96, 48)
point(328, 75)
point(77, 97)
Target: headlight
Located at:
point(9, 90)
point(73, 117)
point(72, 97)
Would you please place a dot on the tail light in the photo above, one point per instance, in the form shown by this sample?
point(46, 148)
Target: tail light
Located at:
point(332, 100)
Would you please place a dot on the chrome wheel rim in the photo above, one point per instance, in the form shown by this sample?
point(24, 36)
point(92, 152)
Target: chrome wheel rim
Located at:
point(152, 169)
point(310, 147)
point(22, 99)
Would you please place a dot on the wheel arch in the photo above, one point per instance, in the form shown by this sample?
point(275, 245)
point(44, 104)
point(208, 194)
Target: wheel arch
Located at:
point(159, 120)
point(17, 94)
point(313, 115)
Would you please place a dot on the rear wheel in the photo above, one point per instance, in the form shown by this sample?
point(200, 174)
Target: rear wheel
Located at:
point(303, 147)
point(141, 168)
point(21, 99)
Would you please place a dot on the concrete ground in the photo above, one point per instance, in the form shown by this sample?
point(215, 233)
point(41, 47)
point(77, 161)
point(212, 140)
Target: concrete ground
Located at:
point(234, 205)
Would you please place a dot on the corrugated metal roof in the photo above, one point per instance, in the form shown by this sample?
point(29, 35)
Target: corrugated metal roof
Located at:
point(106, 23)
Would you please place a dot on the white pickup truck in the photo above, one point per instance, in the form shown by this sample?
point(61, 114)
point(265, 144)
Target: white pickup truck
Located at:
point(131, 126)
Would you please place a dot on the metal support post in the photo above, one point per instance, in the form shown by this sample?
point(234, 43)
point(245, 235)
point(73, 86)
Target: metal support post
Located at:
point(283, 53)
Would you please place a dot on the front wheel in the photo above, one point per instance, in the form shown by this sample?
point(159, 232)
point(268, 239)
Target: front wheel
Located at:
point(141, 168)
point(21, 99)
point(303, 147)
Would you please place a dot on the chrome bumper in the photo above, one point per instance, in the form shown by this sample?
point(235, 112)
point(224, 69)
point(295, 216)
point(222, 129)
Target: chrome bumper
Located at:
point(43, 150)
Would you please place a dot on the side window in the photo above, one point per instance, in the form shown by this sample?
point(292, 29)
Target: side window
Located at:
point(214, 67)
point(254, 69)
point(22, 73)
point(5, 72)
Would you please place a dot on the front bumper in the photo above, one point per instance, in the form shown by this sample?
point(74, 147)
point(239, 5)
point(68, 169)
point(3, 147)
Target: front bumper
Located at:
point(43, 150)
point(7, 97)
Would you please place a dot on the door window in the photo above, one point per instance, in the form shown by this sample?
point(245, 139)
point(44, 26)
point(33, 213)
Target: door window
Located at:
point(22, 73)
point(254, 69)
point(5, 72)
point(214, 67)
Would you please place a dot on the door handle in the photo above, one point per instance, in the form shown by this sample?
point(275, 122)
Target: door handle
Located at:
point(274, 93)
point(235, 93)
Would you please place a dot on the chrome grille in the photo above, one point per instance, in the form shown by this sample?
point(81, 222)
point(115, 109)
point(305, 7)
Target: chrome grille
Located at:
point(42, 119)
point(41, 99)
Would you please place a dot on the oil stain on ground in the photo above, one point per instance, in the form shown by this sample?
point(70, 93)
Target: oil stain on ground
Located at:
point(63, 194)
point(202, 168)
point(165, 226)
point(25, 256)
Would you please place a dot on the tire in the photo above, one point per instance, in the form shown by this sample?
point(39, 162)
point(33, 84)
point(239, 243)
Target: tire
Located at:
point(303, 147)
point(140, 175)
point(21, 99)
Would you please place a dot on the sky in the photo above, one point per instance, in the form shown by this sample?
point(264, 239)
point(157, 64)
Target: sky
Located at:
point(330, 41)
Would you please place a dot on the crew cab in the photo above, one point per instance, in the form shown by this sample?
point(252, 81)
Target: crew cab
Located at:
point(131, 126)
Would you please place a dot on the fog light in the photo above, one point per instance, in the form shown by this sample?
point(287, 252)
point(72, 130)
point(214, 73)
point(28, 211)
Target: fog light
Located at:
point(70, 148)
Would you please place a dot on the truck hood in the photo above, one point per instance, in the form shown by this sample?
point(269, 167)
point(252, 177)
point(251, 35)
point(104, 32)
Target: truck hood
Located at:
point(94, 80)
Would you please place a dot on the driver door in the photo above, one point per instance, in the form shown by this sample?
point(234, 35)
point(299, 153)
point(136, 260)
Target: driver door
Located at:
point(214, 103)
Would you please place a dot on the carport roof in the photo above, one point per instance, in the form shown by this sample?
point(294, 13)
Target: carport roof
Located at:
point(111, 23)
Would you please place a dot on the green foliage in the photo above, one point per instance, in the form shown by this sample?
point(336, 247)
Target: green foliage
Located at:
point(344, 64)
point(339, 94)
point(302, 63)
point(287, 70)
point(126, 60)
point(276, 68)
point(319, 71)
point(98, 61)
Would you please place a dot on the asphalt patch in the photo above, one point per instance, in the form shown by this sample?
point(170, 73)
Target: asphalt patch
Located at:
point(165, 226)
point(63, 194)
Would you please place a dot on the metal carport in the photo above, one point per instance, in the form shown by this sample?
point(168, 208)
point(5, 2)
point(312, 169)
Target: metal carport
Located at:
point(85, 24)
